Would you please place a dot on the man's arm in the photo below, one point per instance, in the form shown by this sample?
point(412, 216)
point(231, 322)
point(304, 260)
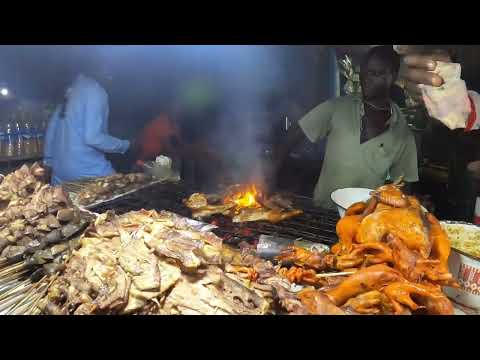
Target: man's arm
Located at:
point(315, 125)
point(96, 116)
point(294, 136)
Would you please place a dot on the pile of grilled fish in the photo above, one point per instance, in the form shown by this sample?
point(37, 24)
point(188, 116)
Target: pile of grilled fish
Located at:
point(107, 187)
point(35, 219)
point(149, 262)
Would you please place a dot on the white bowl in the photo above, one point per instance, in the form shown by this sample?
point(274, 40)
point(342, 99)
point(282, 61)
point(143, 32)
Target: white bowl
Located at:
point(464, 267)
point(344, 198)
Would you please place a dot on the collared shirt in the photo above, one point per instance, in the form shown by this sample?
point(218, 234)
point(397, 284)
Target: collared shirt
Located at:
point(75, 145)
point(348, 163)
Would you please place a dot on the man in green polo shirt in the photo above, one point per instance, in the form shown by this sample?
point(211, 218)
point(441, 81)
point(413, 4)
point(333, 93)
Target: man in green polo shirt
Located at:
point(369, 141)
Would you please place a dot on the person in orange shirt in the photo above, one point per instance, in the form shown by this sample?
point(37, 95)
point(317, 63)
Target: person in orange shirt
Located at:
point(159, 137)
point(190, 151)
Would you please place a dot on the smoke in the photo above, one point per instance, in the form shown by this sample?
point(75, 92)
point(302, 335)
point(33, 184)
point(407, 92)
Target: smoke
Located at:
point(237, 80)
point(252, 77)
point(148, 79)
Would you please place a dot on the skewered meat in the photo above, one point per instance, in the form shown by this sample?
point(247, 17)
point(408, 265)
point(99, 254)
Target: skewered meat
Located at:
point(65, 215)
point(107, 187)
point(52, 268)
point(21, 183)
point(299, 275)
point(305, 258)
point(3, 244)
point(13, 251)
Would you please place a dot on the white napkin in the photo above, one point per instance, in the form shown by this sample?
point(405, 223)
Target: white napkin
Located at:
point(448, 103)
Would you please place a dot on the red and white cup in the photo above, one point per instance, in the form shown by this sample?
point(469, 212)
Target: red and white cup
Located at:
point(476, 217)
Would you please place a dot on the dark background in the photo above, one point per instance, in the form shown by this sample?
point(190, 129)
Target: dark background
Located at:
point(254, 88)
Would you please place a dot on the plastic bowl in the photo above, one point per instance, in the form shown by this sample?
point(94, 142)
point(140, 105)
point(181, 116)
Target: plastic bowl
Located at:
point(464, 267)
point(344, 198)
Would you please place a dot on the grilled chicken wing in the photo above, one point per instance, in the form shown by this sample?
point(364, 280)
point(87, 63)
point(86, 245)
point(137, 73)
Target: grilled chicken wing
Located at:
point(356, 208)
point(391, 195)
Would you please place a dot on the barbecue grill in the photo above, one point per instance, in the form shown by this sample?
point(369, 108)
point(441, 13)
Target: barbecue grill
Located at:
point(315, 225)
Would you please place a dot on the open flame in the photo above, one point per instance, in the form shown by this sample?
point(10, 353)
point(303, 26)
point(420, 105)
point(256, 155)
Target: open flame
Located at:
point(245, 197)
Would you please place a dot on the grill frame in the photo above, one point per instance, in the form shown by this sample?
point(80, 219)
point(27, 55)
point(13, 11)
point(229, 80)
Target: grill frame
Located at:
point(315, 224)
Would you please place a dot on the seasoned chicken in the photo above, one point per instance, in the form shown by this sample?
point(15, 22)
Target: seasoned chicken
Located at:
point(368, 279)
point(364, 255)
point(305, 258)
point(428, 296)
point(318, 303)
point(369, 303)
point(405, 223)
point(347, 229)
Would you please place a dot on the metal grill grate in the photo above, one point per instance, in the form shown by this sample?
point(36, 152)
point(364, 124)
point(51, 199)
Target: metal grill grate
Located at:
point(316, 225)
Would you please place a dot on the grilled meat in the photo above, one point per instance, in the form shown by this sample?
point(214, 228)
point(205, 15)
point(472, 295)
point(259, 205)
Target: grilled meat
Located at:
point(243, 204)
point(107, 187)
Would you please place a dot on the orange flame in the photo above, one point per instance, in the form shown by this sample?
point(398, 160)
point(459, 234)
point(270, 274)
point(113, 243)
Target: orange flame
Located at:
point(245, 198)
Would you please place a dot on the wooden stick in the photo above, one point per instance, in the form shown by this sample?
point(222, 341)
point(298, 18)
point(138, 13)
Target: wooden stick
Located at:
point(27, 297)
point(318, 276)
point(12, 277)
point(14, 289)
point(32, 309)
point(11, 269)
point(7, 304)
